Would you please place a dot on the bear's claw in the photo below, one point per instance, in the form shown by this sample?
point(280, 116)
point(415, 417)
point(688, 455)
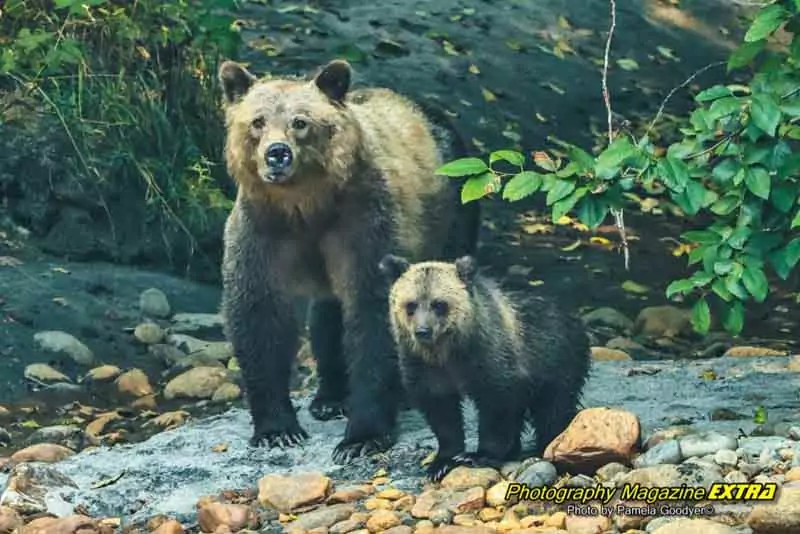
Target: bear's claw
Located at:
point(439, 468)
point(283, 438)
point(325, 410)
point(346, 451)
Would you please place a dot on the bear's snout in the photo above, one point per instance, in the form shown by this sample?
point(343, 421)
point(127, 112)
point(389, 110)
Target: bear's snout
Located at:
point(279, 157)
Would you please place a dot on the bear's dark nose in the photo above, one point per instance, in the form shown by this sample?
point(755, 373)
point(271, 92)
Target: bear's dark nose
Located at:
point(423, 333)
point(279, 156)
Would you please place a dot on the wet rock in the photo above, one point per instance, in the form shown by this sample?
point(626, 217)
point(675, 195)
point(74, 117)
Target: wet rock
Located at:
point(213, 515)
point(347, 525)
point(5, 413)
point(148, 333)
point(672, 432)
point(726, 457)
point(391, 494)
point(539, 473)
point(197, 383)
point(704, 443)
point(70, 436)
point(663, 321)
point(611, 470)
point(41, 452)
point(350, 494)
point(674, 475)
point(196, 323)
point(694, 526)
point(103, 373)
point(382, 520)
point(10, 520)
point(754, 447)
point(169, 526)
point(43, 373)
point(628, 346)
point(399, 529)
point(455, 529)
point(794, 364)
point(587, 524)
point(62, 343)
point(212, 350)
point(666, 452)
point(595, 437)
point(148, 402)
point(608, 317)
point(169, 420)
point(226, 392)
point(604, 354)
point(286, 493)
point(462, 478)
point(168, 354)
point(99, 424)
point(28, 486)
point(496, 495)
point(73, 524)
point(743, 351)
point(326, 517)
point(134, 383)
point(153, 302)
point(782, 517)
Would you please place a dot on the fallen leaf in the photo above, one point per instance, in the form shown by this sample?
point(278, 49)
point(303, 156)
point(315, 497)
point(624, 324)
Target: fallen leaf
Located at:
point(61, 301)
point(540, 117)
point(563, 22)
point(579, 226)
point(573, 246)
point(380, 473)
point(449, 48)
point(553, 87)
point(628, 64)
point(9, 261)
point(536, 283)
point(543, 160)
point(537, 228)
point(473, 69)
point(598, 240)
point(564, 220)
point(516, 46)
point(634, 287)
point(30, 423)
point(681, 249)
point(108, 481)
point(428, 459)
point(220, 447)
point(488, 95)
point(60, 270)
point(667, 53)
point(708, 374)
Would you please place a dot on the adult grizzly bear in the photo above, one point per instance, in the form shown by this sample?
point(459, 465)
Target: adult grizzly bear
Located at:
point(329, 181)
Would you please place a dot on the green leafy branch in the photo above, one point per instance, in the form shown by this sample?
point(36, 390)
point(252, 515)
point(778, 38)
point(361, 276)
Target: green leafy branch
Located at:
point(735, 162)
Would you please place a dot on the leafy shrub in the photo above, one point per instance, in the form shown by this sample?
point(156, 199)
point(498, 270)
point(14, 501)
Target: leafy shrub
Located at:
point(132, 87)
point(734, 161)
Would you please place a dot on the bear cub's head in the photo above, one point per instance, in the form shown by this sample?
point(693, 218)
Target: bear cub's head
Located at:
point(430, 303)
point(281, 131)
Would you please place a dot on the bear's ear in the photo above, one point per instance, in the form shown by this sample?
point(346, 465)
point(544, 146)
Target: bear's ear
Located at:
point(466, 268)
point(393, 266)
point(235, 80)
point(334, 80)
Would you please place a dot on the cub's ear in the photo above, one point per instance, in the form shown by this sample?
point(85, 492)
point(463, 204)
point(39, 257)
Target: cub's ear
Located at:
point(334, 79)
point(393, 266)
point(466, 268)
point(235, 80)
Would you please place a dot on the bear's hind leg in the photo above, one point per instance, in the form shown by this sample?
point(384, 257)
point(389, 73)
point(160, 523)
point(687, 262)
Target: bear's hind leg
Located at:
point(325, 326)
point(500, 426)
point(551, 415)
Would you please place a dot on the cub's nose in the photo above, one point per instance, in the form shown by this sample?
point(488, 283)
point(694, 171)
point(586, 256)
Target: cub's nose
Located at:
point(279, 155)
point(423, 333)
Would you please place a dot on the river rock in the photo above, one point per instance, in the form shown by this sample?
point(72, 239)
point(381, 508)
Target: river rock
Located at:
point(41, 452)
point(694, 526)
point(148, 333)
point(103, 373)
point(41, 372)
point(153, 302)
point(58, 342)
point(663, 321)
point(538, 473)
point(674, 475)
point(608, 317)
point(134, 383)
point(212, 350)
point(704, 443)
point(325, 517)
point(666, 452)
point(744, 351)
point(462, 478)
point(754, 447)
point(10, 520)
point(605, 354)
point(196, 383)
point(70, 436)
point(286, 493)
point(28, 486)
point(196, 322)
point(782, 517)
point(226, 392)
point(213, 515)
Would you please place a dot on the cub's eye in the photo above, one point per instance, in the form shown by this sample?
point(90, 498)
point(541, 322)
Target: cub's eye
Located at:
point(411, 307)
point(299, 124)
point(258, 123)
point(439, 307)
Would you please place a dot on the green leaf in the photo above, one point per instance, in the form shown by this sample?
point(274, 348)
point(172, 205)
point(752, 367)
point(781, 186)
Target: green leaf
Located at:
point(723, 267)
point(733, 318)
point(757, 181)
point(766, 22)
point(463, 167)
point(563, 206)
point(701, 316)
point(511, 156)
point(783, 196)
point(755, 281)
point(745, 54)
point(560, 189)
point(739, 237)
point(476, 187)
point(569, 170)
point(766, 113)
point(713, 93)
point(693, 198)
point(724, 107)
point(680, 287)
point(784, 259)
point(796, 220)
point(701, 278)
point(674, 173)
point(726, 204)
point(610, 160)
point(581, 157)
point(592, 211)
point(718, 287)
point(522, 185)
point(702, 236)
point(725, 170)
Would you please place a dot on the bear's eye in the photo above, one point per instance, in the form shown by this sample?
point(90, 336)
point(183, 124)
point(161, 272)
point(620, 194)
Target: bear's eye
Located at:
point(411, 307)
point(258, 123)
point(439, 307)
point(299, 124)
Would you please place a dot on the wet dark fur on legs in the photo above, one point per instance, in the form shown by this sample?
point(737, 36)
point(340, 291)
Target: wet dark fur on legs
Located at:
point(519, 358)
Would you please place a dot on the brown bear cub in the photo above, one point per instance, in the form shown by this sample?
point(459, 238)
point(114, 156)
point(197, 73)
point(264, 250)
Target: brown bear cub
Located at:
point(329, 181)
point(459, 335)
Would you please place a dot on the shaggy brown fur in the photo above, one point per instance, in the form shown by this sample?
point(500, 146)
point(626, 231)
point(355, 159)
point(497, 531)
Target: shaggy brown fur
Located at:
point(329, 181)
point(459, 335)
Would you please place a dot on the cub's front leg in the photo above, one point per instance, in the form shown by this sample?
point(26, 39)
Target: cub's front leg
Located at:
point(260, 324)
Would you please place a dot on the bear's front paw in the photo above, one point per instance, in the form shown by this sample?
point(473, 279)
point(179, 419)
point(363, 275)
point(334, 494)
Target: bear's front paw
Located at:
point(442, 465)
point(323, 409)
point(348, 450)
point(271, 435)
point(479, 459)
